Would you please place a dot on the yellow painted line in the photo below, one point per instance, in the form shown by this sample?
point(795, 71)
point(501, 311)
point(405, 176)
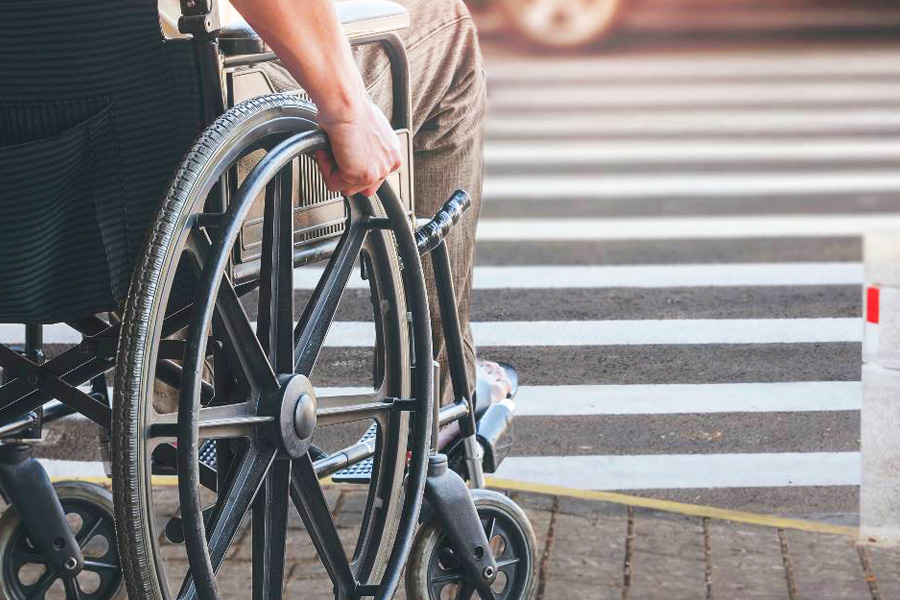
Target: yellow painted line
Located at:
point(160, 480)
point(694, 510)
point(681, 508)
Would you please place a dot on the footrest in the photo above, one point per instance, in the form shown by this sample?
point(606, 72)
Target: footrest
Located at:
point(208, 454)
point(361, 472)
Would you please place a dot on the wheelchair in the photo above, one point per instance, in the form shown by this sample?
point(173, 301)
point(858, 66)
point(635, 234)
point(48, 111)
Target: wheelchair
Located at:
point(221, 368)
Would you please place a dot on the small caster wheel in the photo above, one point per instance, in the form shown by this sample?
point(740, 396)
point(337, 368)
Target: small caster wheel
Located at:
point(435, 573)
point(89, 511)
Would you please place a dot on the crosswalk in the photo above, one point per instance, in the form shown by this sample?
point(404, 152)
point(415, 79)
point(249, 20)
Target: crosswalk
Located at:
point(756, 165)
point(670, 254)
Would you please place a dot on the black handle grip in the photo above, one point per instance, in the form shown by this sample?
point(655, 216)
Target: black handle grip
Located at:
point(434, 231)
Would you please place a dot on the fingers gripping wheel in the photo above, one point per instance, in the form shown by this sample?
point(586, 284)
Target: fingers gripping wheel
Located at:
point(89, 512)
point(435, 573)
point(245, 355)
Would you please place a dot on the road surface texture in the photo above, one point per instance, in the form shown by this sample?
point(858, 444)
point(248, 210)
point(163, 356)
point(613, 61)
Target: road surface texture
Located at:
point(670, 248)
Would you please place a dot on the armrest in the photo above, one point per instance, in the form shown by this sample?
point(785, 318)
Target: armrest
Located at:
point(360, 18)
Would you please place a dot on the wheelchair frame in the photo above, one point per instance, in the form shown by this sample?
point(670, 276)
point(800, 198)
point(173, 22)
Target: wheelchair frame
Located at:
point(31, 383)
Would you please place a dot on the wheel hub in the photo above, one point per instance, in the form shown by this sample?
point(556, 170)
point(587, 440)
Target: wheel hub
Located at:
point(297, 418)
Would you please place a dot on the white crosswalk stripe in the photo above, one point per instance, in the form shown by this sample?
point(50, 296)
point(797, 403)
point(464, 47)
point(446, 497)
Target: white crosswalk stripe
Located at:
point(688, 471)
point(697, 66)
point(683, 151)
point(639, 276)
point(693, 122)
point(687, 228)
point(542, 188)
point(348, 334)
point(665, 399)
point(637, 94)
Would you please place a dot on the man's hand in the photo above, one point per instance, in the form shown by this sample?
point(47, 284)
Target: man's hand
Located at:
point(364, 151)
point(307, 37)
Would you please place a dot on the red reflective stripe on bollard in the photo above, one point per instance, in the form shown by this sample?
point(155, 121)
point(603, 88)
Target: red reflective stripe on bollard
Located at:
point(872, 301)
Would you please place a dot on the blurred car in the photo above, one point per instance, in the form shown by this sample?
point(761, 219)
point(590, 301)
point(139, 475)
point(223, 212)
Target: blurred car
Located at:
point(563, 24)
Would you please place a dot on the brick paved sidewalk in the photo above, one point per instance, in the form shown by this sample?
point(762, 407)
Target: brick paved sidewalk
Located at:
point(605, 550)
point(625, 548)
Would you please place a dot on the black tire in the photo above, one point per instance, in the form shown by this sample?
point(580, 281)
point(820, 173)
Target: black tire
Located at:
point(89, 510)
point(427, 578)
point(284, 127)
point(568, 27)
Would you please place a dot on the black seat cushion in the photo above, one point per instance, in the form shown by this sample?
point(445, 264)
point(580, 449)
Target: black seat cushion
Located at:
point(96, 111)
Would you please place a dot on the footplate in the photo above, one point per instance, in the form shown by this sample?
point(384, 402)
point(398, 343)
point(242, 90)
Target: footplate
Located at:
point(208, 454)
point(361, 472)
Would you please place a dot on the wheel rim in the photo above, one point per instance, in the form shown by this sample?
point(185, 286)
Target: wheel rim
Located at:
point(447, 580)
point(280, 478)
point(26, 575)
point(564, 22)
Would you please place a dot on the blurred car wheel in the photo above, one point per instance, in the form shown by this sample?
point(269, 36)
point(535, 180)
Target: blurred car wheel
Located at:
point(562, 23)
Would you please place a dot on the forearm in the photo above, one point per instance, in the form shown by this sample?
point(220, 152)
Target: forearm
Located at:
point(307, 37)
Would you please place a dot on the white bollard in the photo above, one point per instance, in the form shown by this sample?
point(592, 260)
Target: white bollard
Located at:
point(880, 490)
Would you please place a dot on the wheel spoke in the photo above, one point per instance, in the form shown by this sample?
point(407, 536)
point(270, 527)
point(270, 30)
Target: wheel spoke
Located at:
point(231, 507)
point(269, 523)
point(464, 591)
point(226, 421)
point(502, 564)
point(487, 594)
point(276, 292)
point(447, 577)
point(246, 346)
point(86, 533)
point(95, 565)
point(43, 584)
point(310, 503)
point(491, 528)
point(333, 410)
point(319, 312)
point(242, 339)
point(72, 590)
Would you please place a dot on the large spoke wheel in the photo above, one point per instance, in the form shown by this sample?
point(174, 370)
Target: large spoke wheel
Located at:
point(239, 349)
point(562, 23)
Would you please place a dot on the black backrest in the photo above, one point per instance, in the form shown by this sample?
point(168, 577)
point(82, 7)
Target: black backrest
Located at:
point(96, 111)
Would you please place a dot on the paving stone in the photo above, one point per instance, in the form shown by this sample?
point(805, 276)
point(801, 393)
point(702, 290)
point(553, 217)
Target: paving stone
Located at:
point(354, 499)
point(308, 569)
point(530, 500)
point(885, 564)
point(669, 561)
point(588, 552)
point(826, 567)
point(746, 562)
point(560, 589)
point(351, 510)
point(314, 588)
point(590, 508)
point(540, 523)
point(587, 555)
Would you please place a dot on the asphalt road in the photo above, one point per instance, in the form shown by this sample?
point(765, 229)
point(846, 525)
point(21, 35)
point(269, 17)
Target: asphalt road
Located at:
point(666, 179)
